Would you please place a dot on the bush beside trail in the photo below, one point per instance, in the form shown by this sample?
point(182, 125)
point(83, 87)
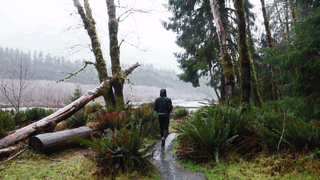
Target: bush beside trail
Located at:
point(219, 136)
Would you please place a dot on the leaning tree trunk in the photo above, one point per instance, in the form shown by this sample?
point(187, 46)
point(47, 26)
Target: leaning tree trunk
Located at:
point(100, 65)
point(226, 60)
point(275, 88)
point(115, 53)
point(61, 114)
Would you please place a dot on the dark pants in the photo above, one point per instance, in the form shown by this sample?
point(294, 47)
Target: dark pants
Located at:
point(164, 124)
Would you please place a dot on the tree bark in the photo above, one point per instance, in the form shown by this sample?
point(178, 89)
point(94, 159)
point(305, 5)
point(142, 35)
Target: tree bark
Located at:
point(243, 53)
point(275, 88)
point(100, 65)
point(257, 99)
point(61, 114)
point(50, 142)
point(226, 60)
point(115, 53)
point(248, 76)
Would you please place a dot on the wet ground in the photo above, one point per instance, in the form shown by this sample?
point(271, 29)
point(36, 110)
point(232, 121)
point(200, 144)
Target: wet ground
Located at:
point(165, 162)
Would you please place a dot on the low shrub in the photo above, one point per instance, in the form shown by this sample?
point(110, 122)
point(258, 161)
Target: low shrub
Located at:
point(276, 127)
point(121, 146)
point(93, 108)
point(209, 130)
point(280, 130)
point(122, 150)
point(149, 119)
point(77, 120)
point(6, 123)
point(111, 119)
point(31, 115)
point(180, 112)
point(120, 118)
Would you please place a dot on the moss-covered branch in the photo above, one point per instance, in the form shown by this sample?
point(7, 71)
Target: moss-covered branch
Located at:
point(75, 73)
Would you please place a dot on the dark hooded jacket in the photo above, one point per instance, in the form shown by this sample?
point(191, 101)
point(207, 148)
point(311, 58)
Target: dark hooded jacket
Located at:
point(163, 104)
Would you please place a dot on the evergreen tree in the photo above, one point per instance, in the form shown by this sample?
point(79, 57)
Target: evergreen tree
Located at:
point(76, 94)
point(196, 34)
point(303, 57)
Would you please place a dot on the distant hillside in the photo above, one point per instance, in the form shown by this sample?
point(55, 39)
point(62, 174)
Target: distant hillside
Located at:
point(145, 81)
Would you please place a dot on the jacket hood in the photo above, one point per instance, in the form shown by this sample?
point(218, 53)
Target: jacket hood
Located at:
point(163, 93)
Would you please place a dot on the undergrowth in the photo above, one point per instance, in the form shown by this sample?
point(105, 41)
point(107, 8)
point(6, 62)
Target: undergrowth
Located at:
point(121, 145)
point(287, 139)
point(10, 120)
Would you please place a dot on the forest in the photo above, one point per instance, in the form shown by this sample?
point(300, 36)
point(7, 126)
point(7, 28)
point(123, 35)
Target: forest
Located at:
point(43, 74)
point(264, 125)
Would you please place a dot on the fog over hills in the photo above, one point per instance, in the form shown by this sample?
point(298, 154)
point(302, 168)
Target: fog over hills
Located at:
point(44, 70)
point(147, 81)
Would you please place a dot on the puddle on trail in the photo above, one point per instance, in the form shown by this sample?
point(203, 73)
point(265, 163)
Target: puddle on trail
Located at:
point(168, 168)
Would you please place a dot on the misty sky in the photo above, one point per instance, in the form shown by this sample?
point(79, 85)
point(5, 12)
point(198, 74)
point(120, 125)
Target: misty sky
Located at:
point(53, 26)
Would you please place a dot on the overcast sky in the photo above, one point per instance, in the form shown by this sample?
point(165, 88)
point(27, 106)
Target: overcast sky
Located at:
point(53, 26)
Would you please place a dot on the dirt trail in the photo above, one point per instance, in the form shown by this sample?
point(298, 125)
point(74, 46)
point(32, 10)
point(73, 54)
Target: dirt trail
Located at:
point(165, 162)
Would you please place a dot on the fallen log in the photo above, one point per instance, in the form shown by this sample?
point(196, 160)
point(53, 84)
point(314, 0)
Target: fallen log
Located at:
point(61, 114)
point(7, 151)
point(51, 142)
point(46, 122)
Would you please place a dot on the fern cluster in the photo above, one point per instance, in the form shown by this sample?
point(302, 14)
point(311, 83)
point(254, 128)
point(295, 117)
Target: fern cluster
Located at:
point(121, 146)
point(208, 131)
point(274, 127)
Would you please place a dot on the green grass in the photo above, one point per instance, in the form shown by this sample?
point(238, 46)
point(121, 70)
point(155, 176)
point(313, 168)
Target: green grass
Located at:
point(191, 166)
point(69, 164)
point(253, 171)
point(262, 167)
point(172, 125)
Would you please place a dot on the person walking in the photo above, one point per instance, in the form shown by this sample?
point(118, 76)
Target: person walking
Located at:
point(163, 106)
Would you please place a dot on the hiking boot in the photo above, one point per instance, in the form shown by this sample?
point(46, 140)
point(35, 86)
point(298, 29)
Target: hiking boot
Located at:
point(163, 141)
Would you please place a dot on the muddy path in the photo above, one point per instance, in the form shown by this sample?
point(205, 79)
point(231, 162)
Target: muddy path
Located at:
point(166, 163)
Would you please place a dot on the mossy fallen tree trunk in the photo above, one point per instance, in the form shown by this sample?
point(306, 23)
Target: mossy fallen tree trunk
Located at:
point(51, 142)
point(61, 114)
